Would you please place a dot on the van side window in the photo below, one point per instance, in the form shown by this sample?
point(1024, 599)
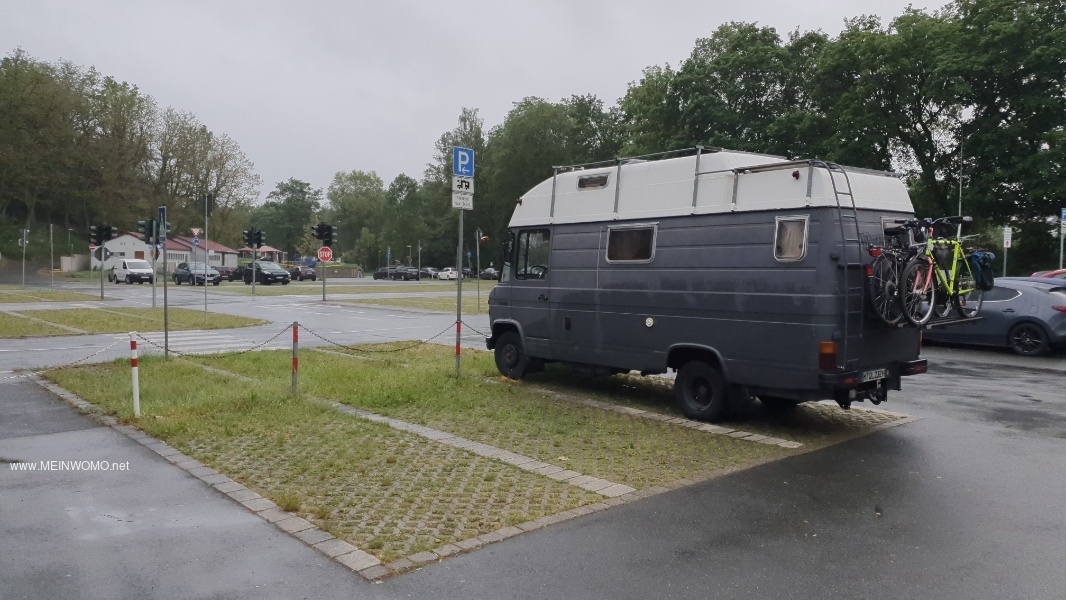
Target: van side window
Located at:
point(631, 243)
point(790, 240)
point(534, 249)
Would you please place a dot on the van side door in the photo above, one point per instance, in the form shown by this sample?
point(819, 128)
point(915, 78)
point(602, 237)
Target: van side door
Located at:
point(531, 289)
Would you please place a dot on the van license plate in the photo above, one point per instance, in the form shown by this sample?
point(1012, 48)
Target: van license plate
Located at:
point(874, 375)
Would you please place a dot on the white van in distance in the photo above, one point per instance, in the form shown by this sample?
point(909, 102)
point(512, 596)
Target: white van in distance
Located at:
point(132, 270)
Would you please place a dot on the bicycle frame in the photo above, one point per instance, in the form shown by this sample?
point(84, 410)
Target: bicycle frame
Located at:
point(949, 280)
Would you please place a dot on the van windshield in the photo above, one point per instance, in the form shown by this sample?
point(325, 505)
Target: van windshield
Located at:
point(138, 264)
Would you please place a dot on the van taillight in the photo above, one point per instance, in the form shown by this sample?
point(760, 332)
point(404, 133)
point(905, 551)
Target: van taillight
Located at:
point(827, 356)
point(869, 270)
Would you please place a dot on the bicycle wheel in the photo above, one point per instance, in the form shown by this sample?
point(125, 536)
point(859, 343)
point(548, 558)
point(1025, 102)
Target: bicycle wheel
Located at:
point(970, 297)
point(918, 292)
point(884, 289)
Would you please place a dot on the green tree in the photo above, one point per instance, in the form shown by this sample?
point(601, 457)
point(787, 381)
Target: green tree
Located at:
point(287, 215)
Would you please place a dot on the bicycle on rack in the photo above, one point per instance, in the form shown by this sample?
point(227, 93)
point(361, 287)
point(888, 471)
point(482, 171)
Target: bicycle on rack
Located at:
point(940, 274)
point(884, 273)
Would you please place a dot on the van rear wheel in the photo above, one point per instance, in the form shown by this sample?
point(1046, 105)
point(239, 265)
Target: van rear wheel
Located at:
point(511, 360)
point(700, 392)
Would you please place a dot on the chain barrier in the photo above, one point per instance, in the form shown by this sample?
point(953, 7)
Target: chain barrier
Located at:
point(475, 330)
point(70, 364)
point(359, 349)
point(218, 355)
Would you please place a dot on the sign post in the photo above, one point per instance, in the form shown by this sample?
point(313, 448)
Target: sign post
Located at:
point(1006, 246)
point(1062, 234)
point(463, 199)
point(325, 254)
point(161, 239)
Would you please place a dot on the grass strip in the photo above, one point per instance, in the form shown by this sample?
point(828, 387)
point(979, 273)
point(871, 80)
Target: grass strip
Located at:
point(311, 288)
point(118, 320)
point(14, 295)
point(13, 325)
point(387, 492)
point(440, 304)
point(418, 385)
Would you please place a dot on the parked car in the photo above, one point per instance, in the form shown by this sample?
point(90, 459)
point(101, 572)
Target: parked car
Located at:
point(131, 270)
point(227, 273)
point(410, 274)
point(265, 273)
point(490, 273)
point(467, 272)
point(196, 273)
point(385, 273)
point(429, 272)
point(301, 273)
point(1025, 314)
point(1057, 274)
point(448, 273)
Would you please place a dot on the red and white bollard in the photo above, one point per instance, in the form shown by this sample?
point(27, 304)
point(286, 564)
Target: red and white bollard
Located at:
point(136, 379)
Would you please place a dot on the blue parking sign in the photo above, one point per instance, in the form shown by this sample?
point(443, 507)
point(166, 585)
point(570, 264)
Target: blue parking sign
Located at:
point(462, 162)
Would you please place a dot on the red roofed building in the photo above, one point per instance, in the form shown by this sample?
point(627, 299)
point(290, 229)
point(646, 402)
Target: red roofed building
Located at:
point(183, 249)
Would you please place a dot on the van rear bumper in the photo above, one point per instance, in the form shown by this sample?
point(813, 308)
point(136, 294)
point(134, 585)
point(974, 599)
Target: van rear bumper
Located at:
point(854, 379)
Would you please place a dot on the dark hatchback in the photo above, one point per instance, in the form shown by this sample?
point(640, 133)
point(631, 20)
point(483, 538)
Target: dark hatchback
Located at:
point(1025, 314)
point(301, 273)
point(227, 273)
point(385, 273)
point(266, 273)
point(195, 273)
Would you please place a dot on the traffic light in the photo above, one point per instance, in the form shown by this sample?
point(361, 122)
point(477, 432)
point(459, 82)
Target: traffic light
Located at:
point(329, 236)
point(163, 232)
point(258, 238)
point(110, 232)
point(147, 230)
point(96, 235)
point(316, 231)
point(249, 238)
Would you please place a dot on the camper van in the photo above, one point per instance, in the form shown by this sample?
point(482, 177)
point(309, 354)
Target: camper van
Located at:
point(743, 273)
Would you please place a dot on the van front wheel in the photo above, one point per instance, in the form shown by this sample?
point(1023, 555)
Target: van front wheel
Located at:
point(700, 392)
point(511, 360)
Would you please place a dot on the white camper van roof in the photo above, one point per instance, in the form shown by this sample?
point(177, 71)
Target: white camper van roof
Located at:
point(710, 180)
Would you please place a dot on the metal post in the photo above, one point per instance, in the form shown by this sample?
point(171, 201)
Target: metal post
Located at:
point(103, 259)
point(255, 259)
point(136, 378)
point(459, 293)
point(207, 258)
point(1005, 261)
point(295, 353)
point(162, 241)
point(51, 255)
point(1062, 234)
point(478, 241)
point(324, 281)
point(25, 242)
point(153, 241)
point(420, 260)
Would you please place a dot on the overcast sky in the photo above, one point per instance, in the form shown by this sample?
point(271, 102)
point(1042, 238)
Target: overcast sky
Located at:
point(315, 87)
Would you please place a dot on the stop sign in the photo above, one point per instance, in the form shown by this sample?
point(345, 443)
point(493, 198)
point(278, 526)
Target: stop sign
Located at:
point(325, 254)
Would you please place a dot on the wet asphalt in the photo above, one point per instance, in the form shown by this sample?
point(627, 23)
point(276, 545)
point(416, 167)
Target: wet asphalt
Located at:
point(966, 502)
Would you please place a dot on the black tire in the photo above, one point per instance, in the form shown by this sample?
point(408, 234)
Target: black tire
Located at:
point(700, 392)
point(511, 359)
point(176, 280)
point(286, 282)
point(129, 281)
point(917, 300)
point(216, 282)
point(884, 290)
point(1028, 339)
point(968, 305)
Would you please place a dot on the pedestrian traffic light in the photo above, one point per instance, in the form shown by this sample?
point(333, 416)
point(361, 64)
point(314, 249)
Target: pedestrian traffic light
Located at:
point(163, 232)
point(147, 230)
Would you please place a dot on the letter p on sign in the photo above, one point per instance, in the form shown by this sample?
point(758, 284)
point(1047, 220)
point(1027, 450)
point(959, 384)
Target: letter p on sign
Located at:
point(462, 162)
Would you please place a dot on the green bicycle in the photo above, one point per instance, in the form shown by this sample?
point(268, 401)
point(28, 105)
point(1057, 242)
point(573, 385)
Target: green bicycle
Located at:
point(940, 274)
